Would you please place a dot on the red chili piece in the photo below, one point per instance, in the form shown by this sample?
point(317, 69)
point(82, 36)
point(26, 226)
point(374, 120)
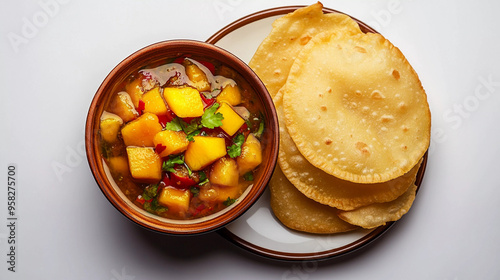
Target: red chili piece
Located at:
point(243, 129)
point(160, 148)
point(164, 119)
point(180, 178)
point(180, 59)
point(207, 101)
point(140, 200)
point(141, 107)
point(188, 119)
point(198, 209)
point(209, 66)
point(165, 181)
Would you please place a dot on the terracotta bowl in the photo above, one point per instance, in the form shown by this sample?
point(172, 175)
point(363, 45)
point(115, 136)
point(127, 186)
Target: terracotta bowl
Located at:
point(150, 55)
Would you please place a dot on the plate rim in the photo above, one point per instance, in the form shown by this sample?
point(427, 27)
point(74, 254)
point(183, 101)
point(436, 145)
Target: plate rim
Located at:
point(312, 256)
point(283, 10)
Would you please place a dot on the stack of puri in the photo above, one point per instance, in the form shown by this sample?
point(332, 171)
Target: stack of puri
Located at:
point(354, 123)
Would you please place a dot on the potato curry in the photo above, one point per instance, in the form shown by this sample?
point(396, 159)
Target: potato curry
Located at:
point(182, 138)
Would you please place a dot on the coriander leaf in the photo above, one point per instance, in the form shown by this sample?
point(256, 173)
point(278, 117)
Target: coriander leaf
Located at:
point(229, 201)
point(190, 136)
point(249, 123)
point(150, 192)
point(248, 176)
point(174, 125)
point(191, 127)
point(201, 183)
point(106, 150)
point(190, 172)
point(161, 209)
point(154, 204)
point(260, 130)
point(154, 207)
point(210, 118)
point(235, 149)
point(203, 175)
point(147, 207)
point(239, 139)
point(195, 191)
point(169, 164)
point(203, 178)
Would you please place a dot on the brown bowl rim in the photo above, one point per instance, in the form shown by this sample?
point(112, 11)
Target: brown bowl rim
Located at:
point(140, 58)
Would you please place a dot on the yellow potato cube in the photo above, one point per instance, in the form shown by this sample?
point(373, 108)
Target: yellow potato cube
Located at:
point(230, 94)
point(145, 164)
point(251, 155)
point(216, 193)
point(140, 132)
point(134, 89)
point(208, 193)
point(197, 76)
point(174, 142)
point(122, 105)
point(225, 172)
point(176, 200)
point(153, 102)
point(185, 102)
point(232, 121)
point(225, 192)
point(110, 125)
point(203, 151)
point(118, 164)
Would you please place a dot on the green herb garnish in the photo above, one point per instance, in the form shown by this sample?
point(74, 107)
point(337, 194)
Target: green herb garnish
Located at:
point(248, 176)
point(106, 150)
point(235, 149)
point(191, 127)
point(190, 136)
point(229, 201)
point(150, 192)
point(195, 191)
point(154, 207)
point(203, 178)
point(147, 207)
point(161, 209)
point(190, 172)
point(260, 130)
point(174, 125)
point(249, 123)
point(169, 164)
point(210, 118)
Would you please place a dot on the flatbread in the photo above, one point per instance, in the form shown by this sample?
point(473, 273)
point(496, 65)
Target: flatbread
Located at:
point(300, 213)
point(379, 214)
point(355, 108)
point(275, 55)
point(327, 189)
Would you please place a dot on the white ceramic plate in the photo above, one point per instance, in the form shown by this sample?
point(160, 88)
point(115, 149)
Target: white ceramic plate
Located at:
point(258, 230)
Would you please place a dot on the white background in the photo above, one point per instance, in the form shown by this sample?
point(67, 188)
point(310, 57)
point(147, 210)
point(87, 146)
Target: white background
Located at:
point(54, 55)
